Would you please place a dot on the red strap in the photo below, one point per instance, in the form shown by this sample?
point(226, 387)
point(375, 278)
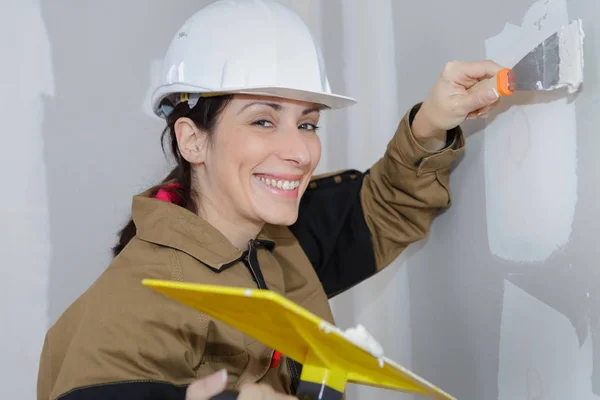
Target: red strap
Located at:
point(276, 359)
point(170, 196)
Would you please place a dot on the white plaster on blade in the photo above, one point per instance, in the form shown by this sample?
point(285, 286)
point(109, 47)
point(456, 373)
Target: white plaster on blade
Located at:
point(26, 79)
point(540, 357)
point(328, 328)
point(570, 40)
point(360, 337)
point(530, 153)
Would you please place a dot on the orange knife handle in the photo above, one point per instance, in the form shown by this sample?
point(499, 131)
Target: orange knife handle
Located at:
point(498, 82)
point(502, 83)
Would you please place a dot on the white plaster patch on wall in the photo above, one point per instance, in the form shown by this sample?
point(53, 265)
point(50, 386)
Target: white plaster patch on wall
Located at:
point(530, 153)
point(540, 357)
point(25, 78)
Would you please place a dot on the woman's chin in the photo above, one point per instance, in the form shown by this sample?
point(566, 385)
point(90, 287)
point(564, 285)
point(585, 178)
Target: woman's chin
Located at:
point(280, 217)
point(275, 210)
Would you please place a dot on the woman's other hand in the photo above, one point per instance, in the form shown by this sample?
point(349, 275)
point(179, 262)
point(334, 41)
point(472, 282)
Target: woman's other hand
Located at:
point(449, 103)
point(212, 385)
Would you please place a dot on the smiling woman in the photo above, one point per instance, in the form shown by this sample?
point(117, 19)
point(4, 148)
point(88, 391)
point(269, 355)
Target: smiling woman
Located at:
point(242, 208)
point(256, 166)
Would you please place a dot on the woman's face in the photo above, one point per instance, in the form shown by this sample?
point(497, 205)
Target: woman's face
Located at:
point(260, 160)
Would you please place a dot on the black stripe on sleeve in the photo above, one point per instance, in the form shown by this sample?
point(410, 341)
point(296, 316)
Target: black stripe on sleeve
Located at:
point(128, 390)
point(332, 231)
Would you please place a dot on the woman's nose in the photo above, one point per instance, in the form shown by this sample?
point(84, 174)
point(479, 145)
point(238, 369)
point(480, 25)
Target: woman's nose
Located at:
point(294, 145)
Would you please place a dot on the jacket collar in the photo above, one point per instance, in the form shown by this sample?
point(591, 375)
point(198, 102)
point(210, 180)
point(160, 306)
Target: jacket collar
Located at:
point(170, 225)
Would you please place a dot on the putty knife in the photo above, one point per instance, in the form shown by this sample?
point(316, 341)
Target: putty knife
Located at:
point(555, 63)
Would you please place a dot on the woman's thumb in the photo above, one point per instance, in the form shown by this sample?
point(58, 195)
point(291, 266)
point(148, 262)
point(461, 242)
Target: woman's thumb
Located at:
point(479, 99)
point(205, 388)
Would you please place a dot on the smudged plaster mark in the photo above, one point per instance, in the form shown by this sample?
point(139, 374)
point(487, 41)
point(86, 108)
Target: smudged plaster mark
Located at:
point(528, 149)
point(535, 387)
point(540, 20)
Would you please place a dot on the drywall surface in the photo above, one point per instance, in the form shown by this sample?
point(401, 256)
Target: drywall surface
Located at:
point(363, 54)
point(102, 141)
point(540, 356)
point(531, 197)
point(485, 286)
point(26, 80)
point(529, 148)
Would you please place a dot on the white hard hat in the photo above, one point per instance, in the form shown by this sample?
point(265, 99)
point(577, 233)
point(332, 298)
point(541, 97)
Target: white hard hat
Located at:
point(244, 46)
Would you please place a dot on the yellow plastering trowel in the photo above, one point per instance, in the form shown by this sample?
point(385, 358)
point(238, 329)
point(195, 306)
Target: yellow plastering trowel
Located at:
point(330, 358)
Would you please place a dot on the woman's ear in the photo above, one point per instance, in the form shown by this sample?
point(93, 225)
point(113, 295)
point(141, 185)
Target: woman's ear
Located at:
point(192, 142)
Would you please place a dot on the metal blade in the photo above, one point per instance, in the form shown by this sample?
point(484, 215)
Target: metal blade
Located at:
point(539, 69)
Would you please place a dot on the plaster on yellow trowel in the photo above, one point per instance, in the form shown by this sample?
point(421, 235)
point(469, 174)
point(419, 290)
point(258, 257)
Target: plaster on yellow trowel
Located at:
point(555, 63)
point(329, 358)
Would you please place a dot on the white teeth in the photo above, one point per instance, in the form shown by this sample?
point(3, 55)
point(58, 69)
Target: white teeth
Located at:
point(281, 184)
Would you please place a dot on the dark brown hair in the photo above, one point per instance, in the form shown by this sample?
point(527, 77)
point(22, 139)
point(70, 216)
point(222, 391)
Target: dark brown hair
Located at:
point(205, 115)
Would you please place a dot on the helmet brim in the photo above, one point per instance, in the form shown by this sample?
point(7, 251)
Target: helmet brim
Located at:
point(328, 100)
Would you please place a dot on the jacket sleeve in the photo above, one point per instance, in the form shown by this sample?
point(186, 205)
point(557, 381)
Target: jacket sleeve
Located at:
point(120, 346)
point(352, 224)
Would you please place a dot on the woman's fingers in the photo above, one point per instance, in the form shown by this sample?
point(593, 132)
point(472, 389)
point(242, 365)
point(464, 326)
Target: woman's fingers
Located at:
point(205, 388)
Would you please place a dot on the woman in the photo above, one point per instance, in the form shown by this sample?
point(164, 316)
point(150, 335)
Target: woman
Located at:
point(241, 208)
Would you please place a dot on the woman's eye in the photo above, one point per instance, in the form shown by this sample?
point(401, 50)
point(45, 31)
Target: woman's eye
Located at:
point(308, 127)
point(264, 123)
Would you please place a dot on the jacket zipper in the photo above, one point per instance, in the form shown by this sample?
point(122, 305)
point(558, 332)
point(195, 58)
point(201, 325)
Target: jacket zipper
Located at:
point(249, 255)
point(257, 275)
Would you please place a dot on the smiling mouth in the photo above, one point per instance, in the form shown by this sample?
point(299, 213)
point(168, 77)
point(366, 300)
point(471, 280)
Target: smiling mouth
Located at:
point(280, 183)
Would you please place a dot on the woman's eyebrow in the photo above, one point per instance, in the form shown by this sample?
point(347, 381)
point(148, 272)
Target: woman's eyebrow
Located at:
point(278, 107)
point(311, 110)
point(275, 106)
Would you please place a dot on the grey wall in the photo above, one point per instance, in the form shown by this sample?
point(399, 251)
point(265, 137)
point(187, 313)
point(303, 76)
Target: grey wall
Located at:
point(100, 148)
point(457, 286)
